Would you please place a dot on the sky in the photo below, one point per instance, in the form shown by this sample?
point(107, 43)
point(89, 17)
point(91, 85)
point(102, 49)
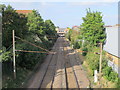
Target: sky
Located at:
point(69, 13)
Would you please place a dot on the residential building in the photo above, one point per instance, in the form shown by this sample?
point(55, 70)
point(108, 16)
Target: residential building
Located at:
point(66, 30)
point(77, 28)
point(61, 31)
point(111, 47)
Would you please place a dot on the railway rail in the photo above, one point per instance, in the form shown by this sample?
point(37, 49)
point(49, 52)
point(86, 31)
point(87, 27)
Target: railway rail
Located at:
point(60, 70)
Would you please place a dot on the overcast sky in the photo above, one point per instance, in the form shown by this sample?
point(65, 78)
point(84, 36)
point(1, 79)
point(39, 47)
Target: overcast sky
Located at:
point(70, 12)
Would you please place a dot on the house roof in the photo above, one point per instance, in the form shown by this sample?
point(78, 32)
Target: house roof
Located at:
point(61, 29)
point(107, 26)
point(24, 11)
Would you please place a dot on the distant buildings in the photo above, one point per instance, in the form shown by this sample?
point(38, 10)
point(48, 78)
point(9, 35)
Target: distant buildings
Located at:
point(61, 31)
point(77, 28)
point(67, 30)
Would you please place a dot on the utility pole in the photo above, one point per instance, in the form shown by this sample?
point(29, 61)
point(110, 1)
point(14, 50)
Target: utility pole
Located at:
point(100, 64)
point(14, 67)
point(82, 41)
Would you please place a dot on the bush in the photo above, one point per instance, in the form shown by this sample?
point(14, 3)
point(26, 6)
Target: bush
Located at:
point(6, 56)
point(84, 53)
point(85, 44)
point(106, 72)
point(113, 77)
point(92, 59)
point(104, 63)
point(76, 45)
point(118, 83)
point(85, 50)
point(110, 74)
point(80, 44)
point(29, 60)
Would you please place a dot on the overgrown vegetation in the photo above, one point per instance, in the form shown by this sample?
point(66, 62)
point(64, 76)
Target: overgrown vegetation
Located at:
point(87, 39)
point(31, 28)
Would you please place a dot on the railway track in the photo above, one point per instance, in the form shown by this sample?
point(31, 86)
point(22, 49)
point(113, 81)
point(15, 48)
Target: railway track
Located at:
point(68, 62)
point(50, 71)
point(60, 70)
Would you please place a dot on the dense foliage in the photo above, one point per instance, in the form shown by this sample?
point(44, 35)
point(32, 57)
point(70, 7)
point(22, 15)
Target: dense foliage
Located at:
point(11, 20)
point(109, 73)
point(35, 23)
point(92, 28)
point(87, 39)
point(31, 28)
point(72, 36)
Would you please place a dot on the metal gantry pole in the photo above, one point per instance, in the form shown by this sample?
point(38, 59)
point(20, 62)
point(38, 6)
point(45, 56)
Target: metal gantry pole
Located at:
point(14, 67)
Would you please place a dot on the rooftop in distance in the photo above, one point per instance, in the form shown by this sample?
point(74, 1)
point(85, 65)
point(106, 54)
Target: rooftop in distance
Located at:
point(24, 11)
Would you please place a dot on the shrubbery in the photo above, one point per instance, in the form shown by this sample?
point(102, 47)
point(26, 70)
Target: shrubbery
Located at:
point(6, 56)
point(118, 83)
point(92, 60)
point(92, 32)
point(30, 27)
point(108, 73)
point(85, 50)
point(76, 45)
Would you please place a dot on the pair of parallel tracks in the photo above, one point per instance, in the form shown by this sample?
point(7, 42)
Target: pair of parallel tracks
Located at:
point(77, 85)
point(64, 44)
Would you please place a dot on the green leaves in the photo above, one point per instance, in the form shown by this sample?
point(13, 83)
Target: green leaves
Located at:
point(6, 56)
point(12, 21)
point(35, 23)
point(92, 28)
point(30, 27)
point(110, 74)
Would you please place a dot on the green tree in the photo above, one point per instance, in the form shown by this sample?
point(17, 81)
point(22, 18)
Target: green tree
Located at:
point(92, 28)
point(50, 28)
point(35, 23)
point(69, 34)
point(12, 21)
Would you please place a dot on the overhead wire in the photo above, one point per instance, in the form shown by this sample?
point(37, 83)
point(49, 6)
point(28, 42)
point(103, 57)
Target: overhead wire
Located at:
point(31, 51)
point(32, 45)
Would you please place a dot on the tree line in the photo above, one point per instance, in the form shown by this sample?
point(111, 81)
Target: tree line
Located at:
point(30, 27)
